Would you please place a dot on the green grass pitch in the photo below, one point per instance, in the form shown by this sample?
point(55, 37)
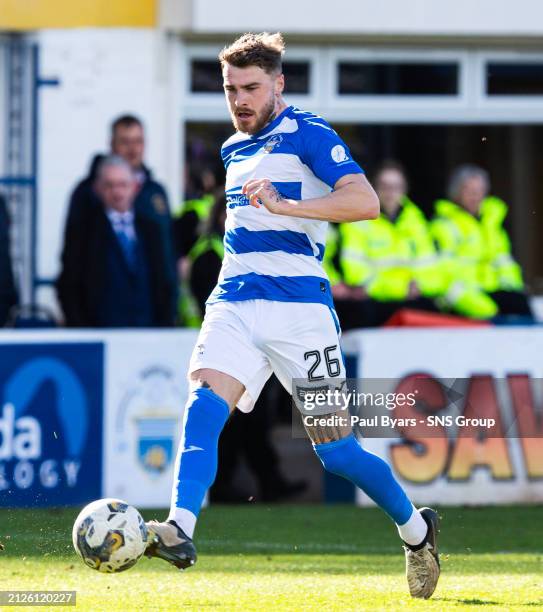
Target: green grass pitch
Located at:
point(290, 558)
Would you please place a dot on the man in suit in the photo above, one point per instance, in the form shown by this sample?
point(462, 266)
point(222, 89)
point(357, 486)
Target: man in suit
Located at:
point(114, 267)
point(151, 201)
point(8, 294)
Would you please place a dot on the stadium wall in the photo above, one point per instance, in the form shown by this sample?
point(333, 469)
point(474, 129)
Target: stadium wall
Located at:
point(358, 17)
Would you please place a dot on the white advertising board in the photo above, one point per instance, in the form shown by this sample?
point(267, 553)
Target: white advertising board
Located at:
point(145, 393)
point(501, 372)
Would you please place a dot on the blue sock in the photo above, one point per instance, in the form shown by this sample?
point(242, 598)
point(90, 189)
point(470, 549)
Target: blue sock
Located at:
point(347, 458)
point(196, 463)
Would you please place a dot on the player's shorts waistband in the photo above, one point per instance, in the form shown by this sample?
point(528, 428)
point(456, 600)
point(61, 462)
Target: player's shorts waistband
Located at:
point(252, 286)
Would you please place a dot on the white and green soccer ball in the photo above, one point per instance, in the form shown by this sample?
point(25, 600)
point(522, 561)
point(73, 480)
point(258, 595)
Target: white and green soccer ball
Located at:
point(109, 535)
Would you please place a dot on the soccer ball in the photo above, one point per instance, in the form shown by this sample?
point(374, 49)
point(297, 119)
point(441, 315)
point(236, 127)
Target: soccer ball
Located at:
point(109, 535)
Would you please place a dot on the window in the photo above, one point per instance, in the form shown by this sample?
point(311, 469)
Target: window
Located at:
point(512, 79)
point(296, 77)
point(205, 76)
point(390, 79)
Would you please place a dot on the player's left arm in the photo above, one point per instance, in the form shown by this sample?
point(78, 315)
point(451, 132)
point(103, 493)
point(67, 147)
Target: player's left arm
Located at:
point(353, 199)
point(321, 149)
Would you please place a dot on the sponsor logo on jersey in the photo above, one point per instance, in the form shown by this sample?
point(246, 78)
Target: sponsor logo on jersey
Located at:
point(236, 199)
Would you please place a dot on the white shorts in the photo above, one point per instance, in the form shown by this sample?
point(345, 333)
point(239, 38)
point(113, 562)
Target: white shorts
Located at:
point(251, 339)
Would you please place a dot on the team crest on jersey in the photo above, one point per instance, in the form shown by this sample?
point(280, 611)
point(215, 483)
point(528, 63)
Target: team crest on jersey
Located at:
point(272, 142)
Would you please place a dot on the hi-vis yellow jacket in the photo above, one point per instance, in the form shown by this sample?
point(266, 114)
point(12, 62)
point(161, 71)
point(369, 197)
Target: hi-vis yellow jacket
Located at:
point(189, 313)
point(476, 253)
point(187, 307)
point(201, 206)
point(386, 255)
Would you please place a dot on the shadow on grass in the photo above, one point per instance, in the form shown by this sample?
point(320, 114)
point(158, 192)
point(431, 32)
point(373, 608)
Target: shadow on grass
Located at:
point(469, 601)
point(485, 602)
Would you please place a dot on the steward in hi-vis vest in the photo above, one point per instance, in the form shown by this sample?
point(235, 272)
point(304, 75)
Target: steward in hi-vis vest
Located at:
point(387, 263)
point(394, 257)
point(391, 255)
point(484, 280)
point(189, 223)
point(204, 264)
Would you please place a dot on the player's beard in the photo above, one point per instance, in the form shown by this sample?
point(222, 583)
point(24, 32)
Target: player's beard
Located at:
point(262, 119)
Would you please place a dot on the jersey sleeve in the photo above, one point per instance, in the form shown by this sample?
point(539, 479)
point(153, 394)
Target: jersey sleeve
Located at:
point(326, 154)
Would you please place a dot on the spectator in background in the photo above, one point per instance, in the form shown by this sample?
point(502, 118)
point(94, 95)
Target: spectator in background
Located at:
point(206, 255)
point(114, 269)
point(190, 224)
point(8, 294)
point(151, 201)
point(388, 263)
point(195, 211)
point(484, 278)
point(426, 277)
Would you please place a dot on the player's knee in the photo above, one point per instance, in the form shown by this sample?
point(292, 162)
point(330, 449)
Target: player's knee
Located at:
point(224, 386)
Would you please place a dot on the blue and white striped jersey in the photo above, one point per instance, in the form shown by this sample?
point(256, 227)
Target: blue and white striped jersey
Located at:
point(276, 257)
